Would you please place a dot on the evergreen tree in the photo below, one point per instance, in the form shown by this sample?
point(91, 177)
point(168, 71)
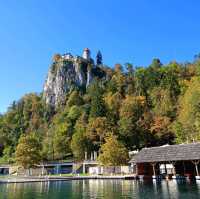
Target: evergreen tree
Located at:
point(156, 63)
point(80, 144)
point(61, 140)
point(97, 101)
point(99, 58)
point(75, 99)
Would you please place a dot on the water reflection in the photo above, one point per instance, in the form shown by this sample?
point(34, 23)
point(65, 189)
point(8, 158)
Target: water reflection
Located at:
point(107, 189)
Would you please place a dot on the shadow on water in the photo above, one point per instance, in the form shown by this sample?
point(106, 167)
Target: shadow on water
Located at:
point(107, 189)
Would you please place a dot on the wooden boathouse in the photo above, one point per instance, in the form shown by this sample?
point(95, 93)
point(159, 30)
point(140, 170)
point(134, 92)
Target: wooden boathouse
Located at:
point(183, 158)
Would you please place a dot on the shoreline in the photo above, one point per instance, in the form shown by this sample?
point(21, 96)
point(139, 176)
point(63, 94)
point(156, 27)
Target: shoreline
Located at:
point(27, 179)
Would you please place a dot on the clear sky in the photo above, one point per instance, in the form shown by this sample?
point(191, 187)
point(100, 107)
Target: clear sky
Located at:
point(135, 31)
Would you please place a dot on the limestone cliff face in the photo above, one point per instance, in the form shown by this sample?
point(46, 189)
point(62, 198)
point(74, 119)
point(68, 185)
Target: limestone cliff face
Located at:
point(66, 74)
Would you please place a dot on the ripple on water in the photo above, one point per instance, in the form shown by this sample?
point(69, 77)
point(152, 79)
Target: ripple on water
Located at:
point(98, 189)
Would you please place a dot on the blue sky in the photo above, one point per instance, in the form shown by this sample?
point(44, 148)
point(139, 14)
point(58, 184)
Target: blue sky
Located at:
point(133, 31)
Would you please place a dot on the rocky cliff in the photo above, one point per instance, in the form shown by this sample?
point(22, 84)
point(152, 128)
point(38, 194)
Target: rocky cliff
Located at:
point(66, 73)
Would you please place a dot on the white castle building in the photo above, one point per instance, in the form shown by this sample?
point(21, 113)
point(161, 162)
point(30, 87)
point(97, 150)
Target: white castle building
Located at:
point(86, 53)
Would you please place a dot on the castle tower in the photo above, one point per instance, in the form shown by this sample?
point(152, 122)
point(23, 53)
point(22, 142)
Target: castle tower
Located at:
point(86, 53)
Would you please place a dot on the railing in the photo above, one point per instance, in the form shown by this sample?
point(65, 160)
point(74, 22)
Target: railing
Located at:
point(90, 162)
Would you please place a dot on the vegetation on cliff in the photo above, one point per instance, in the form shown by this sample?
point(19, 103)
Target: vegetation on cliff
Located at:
point(137, 106)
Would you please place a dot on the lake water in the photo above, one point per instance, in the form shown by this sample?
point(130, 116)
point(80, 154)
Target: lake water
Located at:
point(107, 189)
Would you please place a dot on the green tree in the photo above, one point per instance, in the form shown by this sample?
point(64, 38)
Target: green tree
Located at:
point(141, 83)
point(131, 113)
point(156, 63)
point(99, 58)
point(61, 140)
point(180, 135)
point(47, 145)
point(189, 112)
point(75, 99)
point(80, 143)
point(97, 101)
point(74, 113)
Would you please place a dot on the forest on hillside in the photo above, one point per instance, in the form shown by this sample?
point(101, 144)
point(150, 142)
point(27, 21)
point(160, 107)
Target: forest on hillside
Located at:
point(131, 108)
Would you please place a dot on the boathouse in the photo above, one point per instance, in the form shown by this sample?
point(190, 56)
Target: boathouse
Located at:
point(184, 160)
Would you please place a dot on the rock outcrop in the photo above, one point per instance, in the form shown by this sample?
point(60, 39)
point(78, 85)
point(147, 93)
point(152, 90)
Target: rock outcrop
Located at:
point(66, 73)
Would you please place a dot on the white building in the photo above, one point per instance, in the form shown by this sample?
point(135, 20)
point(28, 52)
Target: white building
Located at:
point(86, 54)
point(67, 56)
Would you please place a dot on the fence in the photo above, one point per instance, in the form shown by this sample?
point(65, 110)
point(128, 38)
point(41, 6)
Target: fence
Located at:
point(110, 170)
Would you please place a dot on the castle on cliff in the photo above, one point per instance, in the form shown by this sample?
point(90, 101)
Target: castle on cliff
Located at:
point(86, 56)
point(68, 72)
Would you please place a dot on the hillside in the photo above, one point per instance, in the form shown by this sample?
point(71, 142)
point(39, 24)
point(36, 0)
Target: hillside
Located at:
point(84, 102)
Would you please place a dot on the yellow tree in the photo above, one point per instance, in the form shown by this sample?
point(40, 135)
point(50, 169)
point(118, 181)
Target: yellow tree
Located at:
point(162, 102)
point(131, 112)
point(113, 152)
point(28, 151)
point(113, 103)
point(56, 57)
point(97, 129)
point(119, 79)
point(189, 111)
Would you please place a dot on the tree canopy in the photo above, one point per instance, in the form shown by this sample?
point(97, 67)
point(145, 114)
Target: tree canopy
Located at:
point(113, 152)
point(28, 151)
point(140, 106)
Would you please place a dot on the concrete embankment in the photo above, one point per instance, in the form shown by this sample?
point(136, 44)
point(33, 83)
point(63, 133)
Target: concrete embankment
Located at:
point(56, 178)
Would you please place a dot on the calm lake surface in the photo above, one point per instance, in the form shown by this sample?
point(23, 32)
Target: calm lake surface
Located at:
point(108, 189)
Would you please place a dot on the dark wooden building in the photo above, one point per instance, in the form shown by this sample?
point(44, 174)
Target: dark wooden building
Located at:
point(184, 159)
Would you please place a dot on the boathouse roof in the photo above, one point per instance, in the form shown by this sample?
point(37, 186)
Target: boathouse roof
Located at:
point(168, 153)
